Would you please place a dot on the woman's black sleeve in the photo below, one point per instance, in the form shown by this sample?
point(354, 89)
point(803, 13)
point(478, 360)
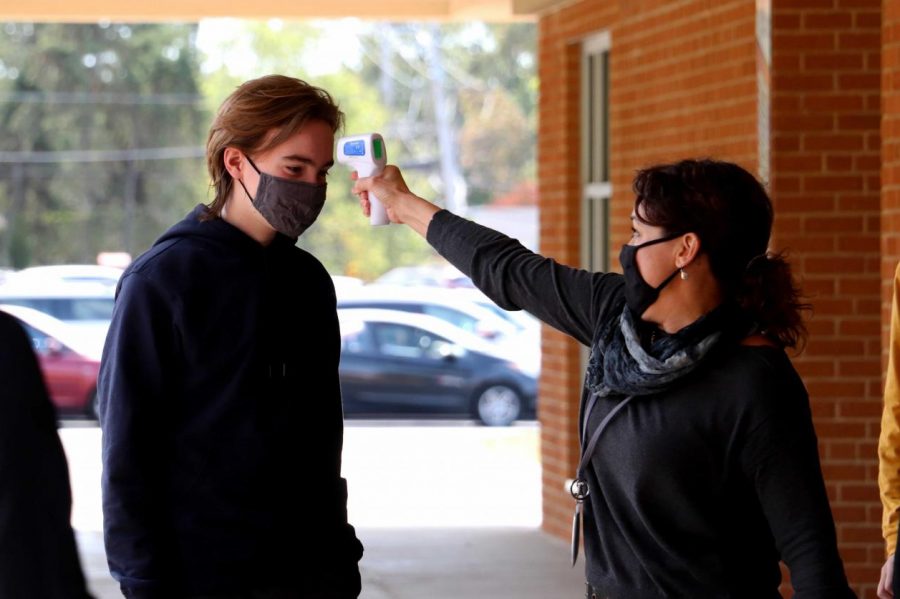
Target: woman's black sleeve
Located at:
point(781, 457)
point(569, 299)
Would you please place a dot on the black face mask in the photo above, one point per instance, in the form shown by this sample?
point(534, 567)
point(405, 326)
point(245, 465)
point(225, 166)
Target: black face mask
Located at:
point(638, 294)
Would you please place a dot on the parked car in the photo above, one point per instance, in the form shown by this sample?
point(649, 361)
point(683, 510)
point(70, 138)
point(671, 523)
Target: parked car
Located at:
point(441, 303)
point(402, 362)
point(70, 364)
point(468, 309)
point(87, 307)
point(344, 283)
point(71, 273)
point(428, 275)
point(523, 321)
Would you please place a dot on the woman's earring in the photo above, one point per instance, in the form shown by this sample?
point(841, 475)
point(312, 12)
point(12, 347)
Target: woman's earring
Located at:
point(684, 275)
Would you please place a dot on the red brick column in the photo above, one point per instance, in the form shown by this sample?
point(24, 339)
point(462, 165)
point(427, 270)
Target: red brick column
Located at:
point(825, 148)
point(560, 212)
point(890, 166)
point(890, 158)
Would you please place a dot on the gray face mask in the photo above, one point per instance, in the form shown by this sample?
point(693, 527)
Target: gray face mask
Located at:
point(289, 206)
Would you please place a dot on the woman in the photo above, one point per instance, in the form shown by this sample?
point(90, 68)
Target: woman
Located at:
point(701, 468)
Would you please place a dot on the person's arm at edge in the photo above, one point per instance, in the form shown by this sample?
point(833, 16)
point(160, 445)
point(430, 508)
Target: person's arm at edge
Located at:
point(38, 552)
point(889, 445)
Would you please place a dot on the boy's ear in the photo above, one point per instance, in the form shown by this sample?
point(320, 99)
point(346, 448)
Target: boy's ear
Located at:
point(233, 163)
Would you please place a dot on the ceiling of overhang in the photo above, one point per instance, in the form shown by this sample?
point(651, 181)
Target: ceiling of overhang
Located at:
point(192, 10)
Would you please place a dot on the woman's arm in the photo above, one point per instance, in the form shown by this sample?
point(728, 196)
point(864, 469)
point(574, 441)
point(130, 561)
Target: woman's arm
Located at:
point(569, 299)
point(780, 457)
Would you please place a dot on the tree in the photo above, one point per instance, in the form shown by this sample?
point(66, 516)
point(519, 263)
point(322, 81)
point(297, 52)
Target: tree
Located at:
point(104, 127)
point(489, 88)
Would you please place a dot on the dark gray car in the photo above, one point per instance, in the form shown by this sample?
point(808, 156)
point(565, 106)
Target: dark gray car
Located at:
point(400, 362)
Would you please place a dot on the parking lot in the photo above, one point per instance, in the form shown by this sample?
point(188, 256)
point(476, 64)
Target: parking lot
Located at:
point(429, 500)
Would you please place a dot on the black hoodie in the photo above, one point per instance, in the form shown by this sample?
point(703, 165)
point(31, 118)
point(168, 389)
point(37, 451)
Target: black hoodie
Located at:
point(38, 554)
point(220, 404)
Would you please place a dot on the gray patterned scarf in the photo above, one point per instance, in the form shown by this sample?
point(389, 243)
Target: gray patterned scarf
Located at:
point(620, 365)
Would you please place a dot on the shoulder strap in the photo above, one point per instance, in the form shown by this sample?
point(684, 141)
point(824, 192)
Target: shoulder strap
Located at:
point(588, 449)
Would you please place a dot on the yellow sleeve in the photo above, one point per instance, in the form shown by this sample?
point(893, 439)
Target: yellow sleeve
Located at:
point(889, 441)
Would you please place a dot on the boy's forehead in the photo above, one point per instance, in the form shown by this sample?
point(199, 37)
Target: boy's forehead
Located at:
point(313, 142)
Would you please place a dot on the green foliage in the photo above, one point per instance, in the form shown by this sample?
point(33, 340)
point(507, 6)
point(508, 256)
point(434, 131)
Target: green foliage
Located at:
point(497, 144)
point(491, 82)
point(78, 96)
point(74, 100)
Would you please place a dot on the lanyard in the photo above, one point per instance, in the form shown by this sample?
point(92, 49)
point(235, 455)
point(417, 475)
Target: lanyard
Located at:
point(579, 487)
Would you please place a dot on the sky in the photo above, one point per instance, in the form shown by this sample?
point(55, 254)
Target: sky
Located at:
point(220, 41)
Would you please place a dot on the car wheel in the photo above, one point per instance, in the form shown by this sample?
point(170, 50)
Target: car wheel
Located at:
point(498, 405)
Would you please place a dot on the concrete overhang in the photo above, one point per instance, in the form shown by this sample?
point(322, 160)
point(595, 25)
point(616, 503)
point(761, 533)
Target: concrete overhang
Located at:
point(192, 10)
point(536, 7)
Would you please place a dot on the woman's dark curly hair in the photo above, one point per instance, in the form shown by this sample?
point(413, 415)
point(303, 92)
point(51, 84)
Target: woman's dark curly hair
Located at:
point(732, 215)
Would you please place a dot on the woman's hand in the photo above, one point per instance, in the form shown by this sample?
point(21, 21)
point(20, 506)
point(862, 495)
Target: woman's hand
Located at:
point(401, 204)
point(885, 585)
point(388, 187)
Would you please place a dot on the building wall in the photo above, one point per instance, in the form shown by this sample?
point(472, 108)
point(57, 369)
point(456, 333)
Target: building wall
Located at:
point(694, 78)
point(825, 165)
point(890, 158)
point(559, 189)
point(890, 161)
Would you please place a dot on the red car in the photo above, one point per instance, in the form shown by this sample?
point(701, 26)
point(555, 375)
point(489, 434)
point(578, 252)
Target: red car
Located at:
point(69, 360)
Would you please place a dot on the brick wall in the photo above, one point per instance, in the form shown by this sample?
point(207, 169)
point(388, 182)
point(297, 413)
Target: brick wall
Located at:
point(671, 99)
point(684, 83)
point(890, 157)
point(559, 185)
point(825, 146)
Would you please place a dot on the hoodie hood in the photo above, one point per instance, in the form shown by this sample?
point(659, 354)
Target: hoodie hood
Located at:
point(216, 229)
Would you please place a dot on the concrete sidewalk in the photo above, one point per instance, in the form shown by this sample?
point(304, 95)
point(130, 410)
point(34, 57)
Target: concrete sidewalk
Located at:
point(445, 535)
point(448, 563)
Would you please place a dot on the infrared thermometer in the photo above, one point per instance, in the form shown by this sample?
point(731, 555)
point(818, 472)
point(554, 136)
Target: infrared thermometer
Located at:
point(367, 155)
